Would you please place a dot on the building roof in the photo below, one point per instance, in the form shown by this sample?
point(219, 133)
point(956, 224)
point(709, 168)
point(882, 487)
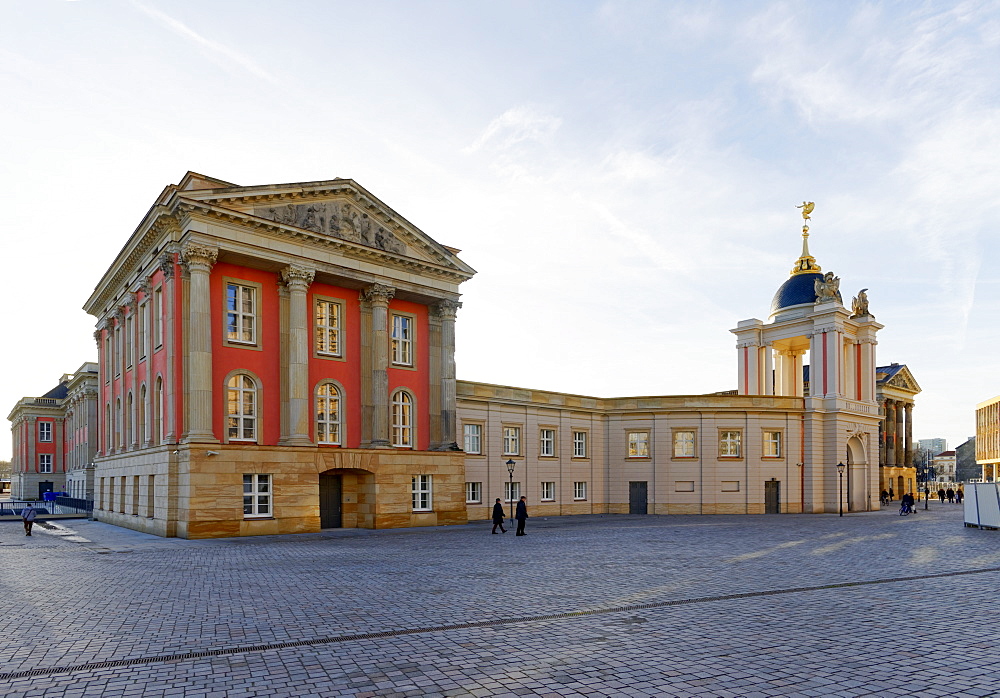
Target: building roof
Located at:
point(797, 290)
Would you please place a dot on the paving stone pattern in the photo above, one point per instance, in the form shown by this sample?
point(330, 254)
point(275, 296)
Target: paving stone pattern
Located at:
point(869, 604)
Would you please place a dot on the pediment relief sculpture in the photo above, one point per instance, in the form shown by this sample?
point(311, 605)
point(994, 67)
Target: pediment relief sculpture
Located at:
point(341, 220)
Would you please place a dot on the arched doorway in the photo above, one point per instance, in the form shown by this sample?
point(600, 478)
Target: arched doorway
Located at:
point(857, 476)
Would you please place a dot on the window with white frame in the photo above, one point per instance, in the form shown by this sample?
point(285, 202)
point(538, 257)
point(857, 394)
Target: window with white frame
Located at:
point(45, 463)
point(548, 491)
point(683, 444)
point(473, 434)
point(729, 444)
point(256, 495)
point(118, 350)
point(638, 444)
point(402, 419)
point(45, 431)
point(129, 338)
point(143, 314)
point(241, 406)
point(473, 492)
point(772, 444)
point(241, 313)
point(402, 340)
point(579, 444)
point(328, 321)
point(328, 414)
point(421, 486)
point(512, 441)
point(511, 491)
point(109, 357)
point(579, 490)
point(157, 317)
point(547, 442)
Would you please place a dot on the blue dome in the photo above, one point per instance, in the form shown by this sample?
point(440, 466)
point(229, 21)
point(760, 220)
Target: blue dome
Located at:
point(798, 289)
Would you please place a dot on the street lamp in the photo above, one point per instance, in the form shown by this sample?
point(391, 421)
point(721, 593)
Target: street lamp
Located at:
point(510, 489)
point(840, 472)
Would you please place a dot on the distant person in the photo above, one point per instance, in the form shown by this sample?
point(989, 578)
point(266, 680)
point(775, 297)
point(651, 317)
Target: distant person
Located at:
point(951, 495)
point(891, 495)
point(907, 502)
point(883, 498)
point(941, 495)
point(927, 494)
point(28, 517)
point(498, 516)
point(521, 516)
point(958, 495)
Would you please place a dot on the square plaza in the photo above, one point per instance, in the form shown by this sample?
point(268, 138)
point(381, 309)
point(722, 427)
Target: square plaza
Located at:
point(867, 604)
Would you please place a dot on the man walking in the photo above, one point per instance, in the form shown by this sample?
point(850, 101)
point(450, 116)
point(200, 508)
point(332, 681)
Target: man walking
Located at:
point(498, 516)
point(521, 515)
point(28, 517)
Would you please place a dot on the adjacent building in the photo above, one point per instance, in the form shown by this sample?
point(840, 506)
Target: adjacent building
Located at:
point(966, 468)
point(55, 438)
point(988, 438)
point(896, 389)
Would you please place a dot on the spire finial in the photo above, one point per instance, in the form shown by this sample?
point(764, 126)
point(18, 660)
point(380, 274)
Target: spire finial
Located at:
point(806, 264)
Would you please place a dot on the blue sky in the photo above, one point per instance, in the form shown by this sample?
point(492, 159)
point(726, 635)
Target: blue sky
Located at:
point(623, 175)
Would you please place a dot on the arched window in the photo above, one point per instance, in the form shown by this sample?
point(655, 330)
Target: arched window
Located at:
point(402, 419)
point(143, 425)
point(241, 406)
point(328, 414)
point(158, 410)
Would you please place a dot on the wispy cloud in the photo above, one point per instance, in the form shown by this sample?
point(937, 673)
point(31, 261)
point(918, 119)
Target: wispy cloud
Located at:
point(514, 126)
point(219, 50)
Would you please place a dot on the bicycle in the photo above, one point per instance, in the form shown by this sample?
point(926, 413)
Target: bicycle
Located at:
point(905, 509)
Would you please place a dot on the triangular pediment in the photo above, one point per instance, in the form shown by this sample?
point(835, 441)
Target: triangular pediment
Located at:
point(339, 209)
point(904, 380)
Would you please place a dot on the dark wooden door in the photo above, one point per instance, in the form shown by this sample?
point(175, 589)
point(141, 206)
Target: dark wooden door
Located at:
point(637, 497)
point(330, 497)
point(772, 497)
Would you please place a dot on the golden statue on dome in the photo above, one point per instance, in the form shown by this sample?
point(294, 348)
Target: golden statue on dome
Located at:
point(806, 264)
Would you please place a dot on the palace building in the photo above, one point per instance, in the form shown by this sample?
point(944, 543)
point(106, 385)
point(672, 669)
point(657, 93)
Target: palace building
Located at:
point(281, 358)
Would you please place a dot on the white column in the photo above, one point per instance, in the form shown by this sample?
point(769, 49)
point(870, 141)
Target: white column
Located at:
point(199, 259)
point(868, 370)
point(768, 369)
point(446, 311)
point(297, 279)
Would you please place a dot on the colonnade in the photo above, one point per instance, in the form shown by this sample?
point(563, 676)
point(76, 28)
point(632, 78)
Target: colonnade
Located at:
point(896, 433)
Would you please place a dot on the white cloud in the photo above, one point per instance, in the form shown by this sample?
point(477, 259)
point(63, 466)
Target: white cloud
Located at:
point(514, 126)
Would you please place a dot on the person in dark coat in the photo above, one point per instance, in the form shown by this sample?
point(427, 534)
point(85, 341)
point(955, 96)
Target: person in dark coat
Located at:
point(941, 494)
point(521, 515)
point(951, 495)
point(891, 494)
point(958, 495)
point(498, 516)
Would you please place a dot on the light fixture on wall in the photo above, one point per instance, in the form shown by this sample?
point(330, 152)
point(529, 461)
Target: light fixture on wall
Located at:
point(211, 453)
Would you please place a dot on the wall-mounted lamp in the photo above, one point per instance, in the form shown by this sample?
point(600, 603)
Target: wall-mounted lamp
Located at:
point(211, 453)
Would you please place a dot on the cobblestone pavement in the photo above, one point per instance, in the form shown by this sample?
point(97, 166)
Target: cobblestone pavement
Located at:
point(870, 604)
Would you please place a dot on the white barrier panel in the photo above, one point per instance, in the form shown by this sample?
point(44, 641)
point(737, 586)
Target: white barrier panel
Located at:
point(982, 504)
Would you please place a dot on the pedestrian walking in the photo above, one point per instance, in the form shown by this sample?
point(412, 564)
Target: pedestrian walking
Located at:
point(28, 517)
point(958, 495)
point(951, 495)
point(521, 515)
point(498, 516)
point(941, 494)
point(883, 498)
point(891, 495)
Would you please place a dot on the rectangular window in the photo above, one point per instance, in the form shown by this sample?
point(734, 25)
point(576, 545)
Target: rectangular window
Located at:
point(241, 313)
point(45, 431)
point(143, 311)
point(157, 317)
point(118, 350)
point(547, 442)
point(473, 492)
point(684, 486)
point(328, 325)
point(730, 486)
point(638, 444)
point(683, 444)
point(511, 491)
point(129, 339)
point(45, 463)
point(579, 444)
point(109, 356)
point(579, 490)
point(729, 444)
point(772, 444)
point(512, 441)
point(548, 491)
point(421, 485)
point(473, 438)
point(402, 340)
point(256, 495)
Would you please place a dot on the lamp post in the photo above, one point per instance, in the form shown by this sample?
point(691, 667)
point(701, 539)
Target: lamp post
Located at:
point(510, 489)
point(840, 472)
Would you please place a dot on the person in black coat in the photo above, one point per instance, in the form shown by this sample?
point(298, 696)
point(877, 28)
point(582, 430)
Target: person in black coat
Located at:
point(521, 515)
point(498, 516)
